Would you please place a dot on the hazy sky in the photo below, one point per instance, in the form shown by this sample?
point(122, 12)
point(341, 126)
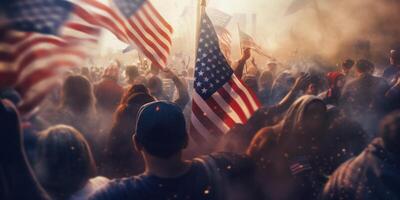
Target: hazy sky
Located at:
point(269, 13)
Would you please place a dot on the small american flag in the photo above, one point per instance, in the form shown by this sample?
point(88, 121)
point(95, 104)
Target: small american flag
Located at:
point(40, 40)
point(299, 165)
point(246, 41)
point(220, 20)
point(135, 22)
point(220, 99)
point(225, 41)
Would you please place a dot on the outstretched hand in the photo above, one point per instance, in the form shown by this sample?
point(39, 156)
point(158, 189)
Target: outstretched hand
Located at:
point(11, 140)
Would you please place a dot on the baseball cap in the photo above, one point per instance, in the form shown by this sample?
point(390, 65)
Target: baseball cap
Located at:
point(161, 128)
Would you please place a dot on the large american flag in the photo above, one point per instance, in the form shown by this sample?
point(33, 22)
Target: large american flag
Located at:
point(134, 22)
point(220, 99)
point(40, 39)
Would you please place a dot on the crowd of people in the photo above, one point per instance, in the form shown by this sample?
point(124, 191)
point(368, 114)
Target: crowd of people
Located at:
point(124, 133)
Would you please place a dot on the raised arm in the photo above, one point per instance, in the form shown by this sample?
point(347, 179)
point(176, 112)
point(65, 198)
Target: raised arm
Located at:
point(183, 94)
point(242, 62)
point(284, 104)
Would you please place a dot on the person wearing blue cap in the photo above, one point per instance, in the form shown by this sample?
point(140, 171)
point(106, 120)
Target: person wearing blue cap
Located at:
point(160, 137)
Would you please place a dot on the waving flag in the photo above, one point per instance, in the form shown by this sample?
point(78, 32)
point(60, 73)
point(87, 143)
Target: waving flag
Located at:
point(246, 41)
point(220, 21)
point(135, 22)
point(41, 39)
point(297, 5)
point(220, 100)
point(225, 41)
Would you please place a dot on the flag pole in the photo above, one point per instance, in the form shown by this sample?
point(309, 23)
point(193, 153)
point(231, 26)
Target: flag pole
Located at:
point(241, 47)
point(240, 40)
point(201, 6)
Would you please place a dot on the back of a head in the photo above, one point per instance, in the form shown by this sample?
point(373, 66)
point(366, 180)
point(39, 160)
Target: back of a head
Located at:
point(63, 160)
point(133, 89)
point(364, 66)
point(132, 71)
point(266, 79)
point(161, 129)
point(126, 113)
point(395, 57)
point(155, 85)
point(390, 132)
point(296, 113)
point(77, 93)
point(348, 63)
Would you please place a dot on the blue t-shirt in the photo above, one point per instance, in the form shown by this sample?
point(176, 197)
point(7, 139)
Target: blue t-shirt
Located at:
point(196, 184)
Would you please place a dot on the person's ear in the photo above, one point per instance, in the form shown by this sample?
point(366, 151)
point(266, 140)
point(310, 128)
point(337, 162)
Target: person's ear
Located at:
point(136, 144)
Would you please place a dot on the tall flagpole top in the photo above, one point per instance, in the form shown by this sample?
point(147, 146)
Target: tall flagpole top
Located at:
point(203, 3)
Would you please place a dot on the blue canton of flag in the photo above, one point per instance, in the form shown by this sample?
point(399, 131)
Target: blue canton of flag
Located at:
point(212, 70)
point(41, 16)
point(128, 7)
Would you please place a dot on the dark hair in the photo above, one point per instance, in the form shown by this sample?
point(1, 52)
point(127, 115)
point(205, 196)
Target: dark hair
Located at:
point(126, 113)
point(132, 71)
point(364, 65)
point(348, 63)
point(155, 85)
point(77, 94)
point(266, 79)
point(63, 161)
point(137, 88)
point(390, 131)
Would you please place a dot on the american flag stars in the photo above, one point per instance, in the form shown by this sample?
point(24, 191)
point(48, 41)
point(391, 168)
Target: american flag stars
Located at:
point(212, 70)
point(43, 16)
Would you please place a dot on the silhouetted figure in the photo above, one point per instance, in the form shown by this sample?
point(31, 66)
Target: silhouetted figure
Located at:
point(64, 164)
point(17, 180)
point(287, 154)
point(160, 137)
point(364, 99)
point(375, 173)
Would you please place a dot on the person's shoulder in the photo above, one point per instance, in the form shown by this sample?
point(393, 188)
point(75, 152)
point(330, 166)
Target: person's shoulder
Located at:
point(264, 137)
point(231, 164)
point(352, 172)
point(116, 189)
point(390, 69)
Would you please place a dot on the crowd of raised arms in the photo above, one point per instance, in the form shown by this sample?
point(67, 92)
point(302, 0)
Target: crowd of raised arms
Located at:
point(124, 133)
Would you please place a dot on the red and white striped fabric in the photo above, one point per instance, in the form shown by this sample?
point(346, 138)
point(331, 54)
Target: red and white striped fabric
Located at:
point(220, 99)
point(33, 63)
point(233, 104)
point(133, 22)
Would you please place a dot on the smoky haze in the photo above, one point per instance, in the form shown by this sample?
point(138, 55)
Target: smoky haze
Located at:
point(332, 29)
point(342, 28)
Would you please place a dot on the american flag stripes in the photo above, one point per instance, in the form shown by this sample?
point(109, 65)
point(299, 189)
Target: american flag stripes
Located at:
point(220, 99)
point(134, 22)
point(41, 39)
point(299, 165)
